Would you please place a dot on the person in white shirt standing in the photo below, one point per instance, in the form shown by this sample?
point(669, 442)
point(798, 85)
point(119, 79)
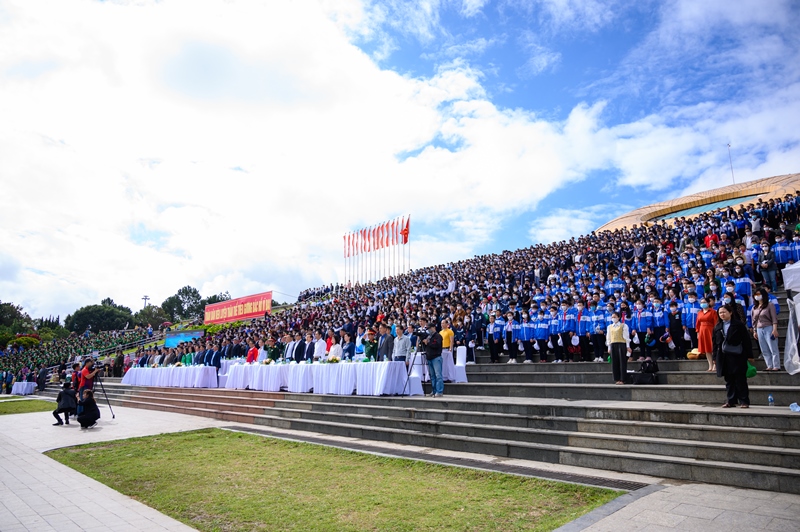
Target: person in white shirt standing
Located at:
point(320, 347)
point(402, 346)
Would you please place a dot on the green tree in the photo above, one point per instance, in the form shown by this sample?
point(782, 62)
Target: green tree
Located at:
point(110, 303)
point(10, 313)
point(152, 314)
point(218, 298)
point(173, 308)
point(191, 302)
point(100, 317)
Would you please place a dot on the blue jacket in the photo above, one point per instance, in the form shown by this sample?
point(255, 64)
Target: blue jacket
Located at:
point(782, 252)
point(583, 325)
point(660, 317)
point(598, 320)
point(542, 331)
point(495, 331)
point(641, 320)
point(567, 320)
point(553, 324)
point(527, 331)
point(689, 315)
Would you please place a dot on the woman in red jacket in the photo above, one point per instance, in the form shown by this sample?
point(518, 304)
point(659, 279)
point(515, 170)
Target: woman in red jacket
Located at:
point(252, 353)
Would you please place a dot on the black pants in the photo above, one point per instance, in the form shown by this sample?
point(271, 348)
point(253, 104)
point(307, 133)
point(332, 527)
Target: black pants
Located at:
point(736, 386)
point(658, 332)
point(583, 342)
point(470, 354)
point(677, 339)
point(559, 350)
point(85, 421)
point(495, 347)
point(65, 411)
point(527, 346)
point(693, 335)
point(513, 348)
point(566, 339)
point(644, 349)
point(619, 361)
point(599, 344)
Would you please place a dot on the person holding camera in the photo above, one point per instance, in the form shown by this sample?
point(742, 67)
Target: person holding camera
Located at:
point(67, 404)
point(433, 350)
point(88, 373)
point(89, 411)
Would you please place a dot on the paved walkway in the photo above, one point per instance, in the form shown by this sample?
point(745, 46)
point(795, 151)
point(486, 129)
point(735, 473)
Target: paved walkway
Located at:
point(38, 493)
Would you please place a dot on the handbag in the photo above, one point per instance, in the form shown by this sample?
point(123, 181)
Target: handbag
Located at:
point(729, 349)
point(751, 370)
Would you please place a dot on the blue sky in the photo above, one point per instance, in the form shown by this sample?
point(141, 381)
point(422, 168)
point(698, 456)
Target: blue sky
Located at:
point(150, 144)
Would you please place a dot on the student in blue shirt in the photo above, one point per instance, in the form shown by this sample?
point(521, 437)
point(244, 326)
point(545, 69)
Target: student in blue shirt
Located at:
point(583, 328)
point(566, 327)
point(494, 336)
point(642, 326)
point(541, 333)
point(660, 324)
point(527, 330)
point(554, 334)
point(689, 317)
point(598, 334)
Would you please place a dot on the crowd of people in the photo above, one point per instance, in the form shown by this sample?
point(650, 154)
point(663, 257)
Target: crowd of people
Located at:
point(666, 283)
point(18, 364)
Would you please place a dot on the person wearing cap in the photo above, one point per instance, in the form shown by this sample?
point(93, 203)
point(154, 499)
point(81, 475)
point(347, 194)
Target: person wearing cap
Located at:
point(370, 345)
point(433, 351)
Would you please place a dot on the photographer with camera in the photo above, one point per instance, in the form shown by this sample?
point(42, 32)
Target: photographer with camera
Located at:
point(433, 351)
point(88, 373)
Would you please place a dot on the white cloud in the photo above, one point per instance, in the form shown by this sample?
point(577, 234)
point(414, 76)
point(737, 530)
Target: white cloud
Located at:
point(563, 224)
point(470, 8)
point(540, 58)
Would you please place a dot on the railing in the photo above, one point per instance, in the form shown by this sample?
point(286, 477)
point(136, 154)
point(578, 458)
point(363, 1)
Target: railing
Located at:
point(157, 336)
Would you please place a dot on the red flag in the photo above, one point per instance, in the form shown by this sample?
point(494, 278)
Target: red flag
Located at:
point(374, 242)
point(378, 236)
point(405, 230)
point(344, 245)
point(386, 233)
point(383, 235)
point(394, 232)
point(363, 241)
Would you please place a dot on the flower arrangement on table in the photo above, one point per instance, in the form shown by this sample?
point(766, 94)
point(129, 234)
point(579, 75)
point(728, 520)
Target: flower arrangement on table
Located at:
point(267, 362)
point(154, 366)
point(334, 360)
point(178, 364)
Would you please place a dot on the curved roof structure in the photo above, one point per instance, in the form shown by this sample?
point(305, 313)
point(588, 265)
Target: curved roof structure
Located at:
point(694, 204)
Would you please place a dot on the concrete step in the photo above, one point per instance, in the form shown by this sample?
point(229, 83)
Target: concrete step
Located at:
point(581, 367)
point(666, 393)
point(685, 468)
point(685, 378)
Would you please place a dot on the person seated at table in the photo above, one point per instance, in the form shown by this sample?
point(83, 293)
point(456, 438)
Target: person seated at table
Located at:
point(200, 356)
point(402, 346)
point(349, 348)
point(89, 411)
point(263, 352)
point(370, 345)
point(213, 357)
point(67, 403)
point(336, 347)
point(252, 352)
point(320, 346)
point(311, 347)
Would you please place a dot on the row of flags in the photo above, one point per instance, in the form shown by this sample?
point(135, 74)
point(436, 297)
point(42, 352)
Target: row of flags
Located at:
point(383, 235)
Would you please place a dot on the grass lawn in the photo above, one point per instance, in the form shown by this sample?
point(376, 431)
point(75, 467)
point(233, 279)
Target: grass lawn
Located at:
point(23, 407)
point(214, 479)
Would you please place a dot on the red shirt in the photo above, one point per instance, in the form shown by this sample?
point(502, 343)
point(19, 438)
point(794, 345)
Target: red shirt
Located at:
point(85, 381)
point(252, 355)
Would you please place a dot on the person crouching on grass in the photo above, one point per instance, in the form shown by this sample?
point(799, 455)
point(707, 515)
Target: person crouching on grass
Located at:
point(90, 413)
point(67, 403)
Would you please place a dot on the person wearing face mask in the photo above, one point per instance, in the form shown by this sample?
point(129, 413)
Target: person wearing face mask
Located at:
point(494, 336)
point(567, 327)
point(691, 306)
point(782, 252)
point(618, 342)
point(794, 249)
point(765, 327)
point(598, 330)
point(583, 324)
point(675, 327)
point(735, 303)
point(732, 350)
point(767, 266)
point(642, 327)
point(660, 324)
point(541, 334)
point(706, 320)
point(553, 330)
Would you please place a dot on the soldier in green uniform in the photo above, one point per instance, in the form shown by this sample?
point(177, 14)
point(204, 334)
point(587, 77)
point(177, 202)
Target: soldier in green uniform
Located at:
point(370, 345)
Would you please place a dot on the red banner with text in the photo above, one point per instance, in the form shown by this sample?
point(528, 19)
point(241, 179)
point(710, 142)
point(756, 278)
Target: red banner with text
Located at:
point(242, 308)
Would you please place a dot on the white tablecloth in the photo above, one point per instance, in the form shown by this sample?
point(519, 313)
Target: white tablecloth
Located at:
point(226, 363)
point(365, 378)
point(174, 377)
point(23, 388)
point(448, 368)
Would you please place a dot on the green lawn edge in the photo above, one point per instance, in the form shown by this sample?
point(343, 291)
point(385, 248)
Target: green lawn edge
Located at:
point(214, 479)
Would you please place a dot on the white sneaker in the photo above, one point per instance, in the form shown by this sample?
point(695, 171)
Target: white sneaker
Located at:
point(556, 361)
point(470, 362)
point(527, 361)
point(512, 361)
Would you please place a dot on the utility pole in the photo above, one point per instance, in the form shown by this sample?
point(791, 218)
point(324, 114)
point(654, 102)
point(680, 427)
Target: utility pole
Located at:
point(731, 161)
point(146, 298)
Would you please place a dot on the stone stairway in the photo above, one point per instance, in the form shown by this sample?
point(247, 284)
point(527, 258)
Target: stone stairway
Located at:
point(757, 448)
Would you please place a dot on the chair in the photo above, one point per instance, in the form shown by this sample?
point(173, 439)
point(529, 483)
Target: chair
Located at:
point(461, 364)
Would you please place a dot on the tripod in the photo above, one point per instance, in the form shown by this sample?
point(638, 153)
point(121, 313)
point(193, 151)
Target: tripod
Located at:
point(100, 381)
point(410, 367)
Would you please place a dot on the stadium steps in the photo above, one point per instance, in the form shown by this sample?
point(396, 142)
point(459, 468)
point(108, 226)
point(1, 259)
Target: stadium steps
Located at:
point(756, 448)
point(691, 378)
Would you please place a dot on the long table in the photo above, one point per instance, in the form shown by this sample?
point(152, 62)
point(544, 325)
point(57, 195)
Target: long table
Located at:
point(363, 378)
point(23, 388)
point(175, 376)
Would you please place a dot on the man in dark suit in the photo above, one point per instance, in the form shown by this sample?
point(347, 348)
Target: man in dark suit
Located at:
point(144, 359)
point(299, 348)
point(310, 346)
point(385, 343)
point(200, 356)
point(213, 357)
point(238, 350)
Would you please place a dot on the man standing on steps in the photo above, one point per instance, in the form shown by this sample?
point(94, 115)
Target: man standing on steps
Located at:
point(447, 335)
point(433, 351)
